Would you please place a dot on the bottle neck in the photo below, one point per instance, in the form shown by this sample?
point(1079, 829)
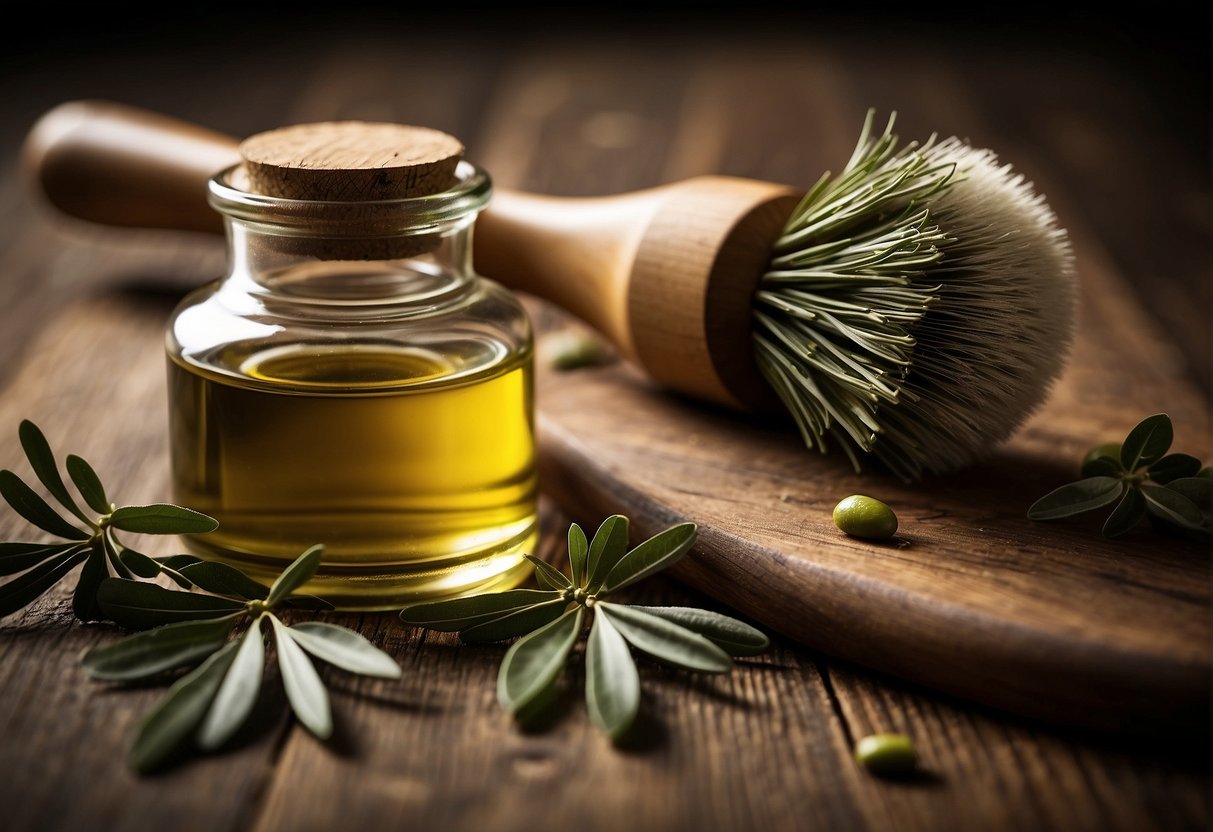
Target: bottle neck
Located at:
point(400, 254)
point(413, 269)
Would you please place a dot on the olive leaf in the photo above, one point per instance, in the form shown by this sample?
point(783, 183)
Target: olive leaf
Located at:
point(344, 649)
point(609, 545)
point(164, 730)
point(1147, 442)
point(666, 640)
point(88, 484)
point(139, 606)
point(42, 460)
point(237, 693)
point(1126, 515)
point(222, 579)
point(156, 651)
point(96, 545)
point(652, 556)
point(612, 685)
point(462, 613)
point(1076, 498)
point(1137, 475)
point(735, 637)
point(532, 663)
point(304, 690)
point(161, 519)
point(551, 620)
point(1173, 467)
point(207, 706)
point(578, 552)
point(1172, 505)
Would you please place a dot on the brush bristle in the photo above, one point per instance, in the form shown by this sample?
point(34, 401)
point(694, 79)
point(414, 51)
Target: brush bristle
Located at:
point(918, 307)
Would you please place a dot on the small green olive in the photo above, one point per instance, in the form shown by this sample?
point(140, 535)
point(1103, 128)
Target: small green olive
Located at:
point(861, 516)
point(573, 349)
point(1205, 472)
point(887, 755)
point(1109, 451)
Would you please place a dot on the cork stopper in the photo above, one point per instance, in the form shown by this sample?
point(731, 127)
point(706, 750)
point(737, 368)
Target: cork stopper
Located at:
point(351, 162)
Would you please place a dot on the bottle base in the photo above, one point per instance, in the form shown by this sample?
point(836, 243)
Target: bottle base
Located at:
point(383, 587)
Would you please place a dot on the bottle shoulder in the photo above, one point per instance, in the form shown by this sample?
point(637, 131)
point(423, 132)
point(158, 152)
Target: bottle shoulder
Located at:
point(222, 329)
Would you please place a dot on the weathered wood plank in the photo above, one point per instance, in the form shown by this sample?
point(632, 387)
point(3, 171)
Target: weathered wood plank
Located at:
point(93, 381)
point(767, 747)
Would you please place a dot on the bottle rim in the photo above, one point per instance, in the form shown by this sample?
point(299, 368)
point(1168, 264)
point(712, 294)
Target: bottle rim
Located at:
point(228, 194)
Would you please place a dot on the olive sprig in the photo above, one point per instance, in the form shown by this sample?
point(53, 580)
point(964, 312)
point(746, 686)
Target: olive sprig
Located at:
point(551, 619)
point(205, 707)
point(88, 538)
point(1142, 479)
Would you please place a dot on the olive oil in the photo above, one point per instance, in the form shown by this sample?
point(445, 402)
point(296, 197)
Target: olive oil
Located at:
point(414, 467)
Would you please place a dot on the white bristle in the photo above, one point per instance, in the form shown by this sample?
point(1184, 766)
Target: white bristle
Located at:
point(918, 307)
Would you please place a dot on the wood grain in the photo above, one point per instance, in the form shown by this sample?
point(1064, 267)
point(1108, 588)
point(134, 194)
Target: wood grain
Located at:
point(767, 747)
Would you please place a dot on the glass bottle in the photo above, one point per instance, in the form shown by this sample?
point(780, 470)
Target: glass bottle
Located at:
point(352, 382)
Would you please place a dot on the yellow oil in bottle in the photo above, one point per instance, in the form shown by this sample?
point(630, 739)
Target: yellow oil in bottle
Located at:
point(414, 469)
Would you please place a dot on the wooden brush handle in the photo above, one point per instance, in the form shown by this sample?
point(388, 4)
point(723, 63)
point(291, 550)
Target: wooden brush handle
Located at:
point(667, 274)
point(118, 165)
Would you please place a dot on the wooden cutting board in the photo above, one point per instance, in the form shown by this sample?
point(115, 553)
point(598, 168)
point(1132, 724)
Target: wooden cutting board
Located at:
point(1050, 621)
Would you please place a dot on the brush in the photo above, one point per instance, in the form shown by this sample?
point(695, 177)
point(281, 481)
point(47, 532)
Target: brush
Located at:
point(912, 309)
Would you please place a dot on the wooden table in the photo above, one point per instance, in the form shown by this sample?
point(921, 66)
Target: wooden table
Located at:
point(579, 107)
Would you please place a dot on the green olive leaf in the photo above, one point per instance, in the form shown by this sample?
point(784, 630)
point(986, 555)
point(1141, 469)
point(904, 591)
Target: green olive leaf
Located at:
point(664, 640)
point(23, 589)
point(461, 613)
point(1126, 515)
point(178, 562)
point(173, 721)
point(222, 579)
point(35, 509)
point(736, 637)
point(156, 651)
point(659, 552)
point(138, 606)
point(1147, 442)
point(84, 599)
point(612, 685)
point(1171, 505)
point(304, 690)
point(17, 557)
point(172, 566)
point(113, 553)
point(610, 543)
point(88, 484)
point(1197, 489)
point(344, 649)
point(295, 575)
point(42, 460)
point(514, 624)
point(578, 552)
point(533, 663)
point(548, 576)
point(237, 694)
point(138, 563)
point(1173, 467)
point(161, 518)
point(1076, 498)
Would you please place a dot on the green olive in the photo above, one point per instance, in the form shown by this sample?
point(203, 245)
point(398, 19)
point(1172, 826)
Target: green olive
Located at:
point(861, 516)
point(887, 755)
point(1205, 472)
point(573, 349)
